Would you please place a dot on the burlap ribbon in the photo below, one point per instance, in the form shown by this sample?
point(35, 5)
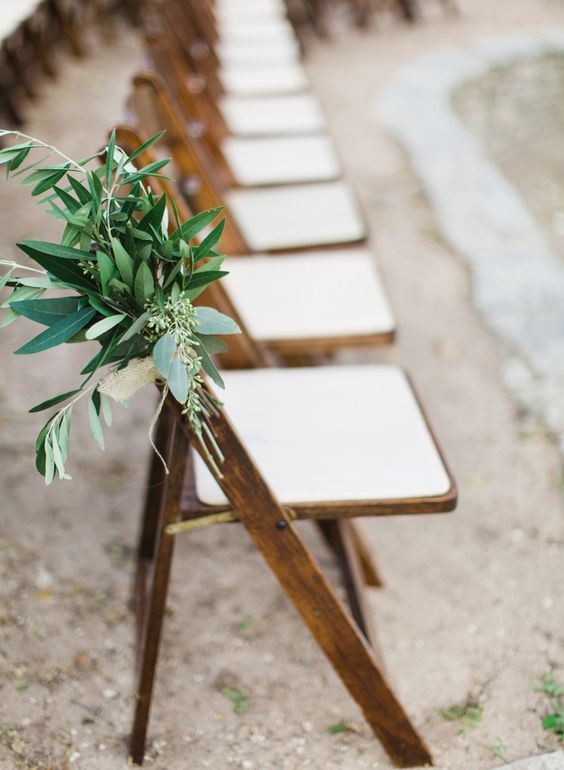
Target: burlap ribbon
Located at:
point(122, 384)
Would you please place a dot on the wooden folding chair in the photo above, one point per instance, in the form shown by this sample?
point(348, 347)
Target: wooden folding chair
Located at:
point(190, 498)
point(243, 161)
point(273, 219)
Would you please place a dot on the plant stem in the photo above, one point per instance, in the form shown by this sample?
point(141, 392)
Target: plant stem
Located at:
point(39, 143)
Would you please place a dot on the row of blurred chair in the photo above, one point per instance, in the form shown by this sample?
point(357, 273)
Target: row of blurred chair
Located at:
point(314, 441)
point(32, 35)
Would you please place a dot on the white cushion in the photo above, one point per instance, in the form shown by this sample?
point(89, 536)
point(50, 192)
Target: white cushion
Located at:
point(297, 216)
point(245, 8)
point(269, 79)
point(281, 160)
point(312, 295)
point(258, 53)
point(13, 13)
point(273, 116)
point(331, 434)
point(248, 30)
point(258, 10)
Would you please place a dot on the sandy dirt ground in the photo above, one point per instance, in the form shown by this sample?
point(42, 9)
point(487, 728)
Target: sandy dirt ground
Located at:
point(472, 604)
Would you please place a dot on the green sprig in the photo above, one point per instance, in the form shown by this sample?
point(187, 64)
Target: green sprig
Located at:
point(129, 280)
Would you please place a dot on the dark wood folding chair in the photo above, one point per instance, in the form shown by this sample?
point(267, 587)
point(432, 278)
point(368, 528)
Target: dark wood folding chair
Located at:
point(173, 506)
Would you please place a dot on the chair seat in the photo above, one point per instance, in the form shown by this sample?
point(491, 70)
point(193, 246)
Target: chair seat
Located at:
point(334, 295)
point(249, 31)
point(331, 434)
point(266, 80)
point(253, 8)
point(228, 13)
point(281, 160)
point(297, 216)
point(258, 53)
point(273, 116)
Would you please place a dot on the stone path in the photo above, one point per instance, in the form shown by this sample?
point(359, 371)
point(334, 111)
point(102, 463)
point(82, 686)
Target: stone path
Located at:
point(517, 280)
point(552, 761)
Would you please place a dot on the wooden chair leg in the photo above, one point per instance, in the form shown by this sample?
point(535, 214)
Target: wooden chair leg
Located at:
point(370, 570)
point(154, 495)
point(341, 640)
point(339, 536)
point(156, 597)
point(155, 487)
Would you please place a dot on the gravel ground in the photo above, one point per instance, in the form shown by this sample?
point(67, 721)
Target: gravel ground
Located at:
point(471, 609)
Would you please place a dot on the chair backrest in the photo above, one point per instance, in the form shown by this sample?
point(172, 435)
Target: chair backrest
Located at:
point(172, 18)
point(244, 352)
point(202, 18)
point(196, 66)
point(190, 92)
point(154, 108)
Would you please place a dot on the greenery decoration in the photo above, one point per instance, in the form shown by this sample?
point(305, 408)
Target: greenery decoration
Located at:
point(123, 278)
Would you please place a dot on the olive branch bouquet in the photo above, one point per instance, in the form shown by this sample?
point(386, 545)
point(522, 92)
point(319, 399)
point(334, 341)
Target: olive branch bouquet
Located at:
point(123, 277)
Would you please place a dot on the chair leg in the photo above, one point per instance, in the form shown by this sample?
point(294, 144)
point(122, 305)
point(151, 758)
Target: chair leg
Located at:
point(156, 599)
point(154, 496)
point(339, 536)
point(370, 570)
point(155, 487)
point(340, 639)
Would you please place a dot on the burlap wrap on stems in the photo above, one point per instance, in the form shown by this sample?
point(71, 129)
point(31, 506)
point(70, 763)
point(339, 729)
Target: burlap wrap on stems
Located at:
point(121, 385)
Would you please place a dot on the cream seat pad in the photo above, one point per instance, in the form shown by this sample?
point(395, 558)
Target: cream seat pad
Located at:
point(312, 295)
point(297, 216)
point(258, 53)
point(243, 9)
point(249, 31)
point(331, 434)
point(281, 160)
point(273, 116)
point(266, 80)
